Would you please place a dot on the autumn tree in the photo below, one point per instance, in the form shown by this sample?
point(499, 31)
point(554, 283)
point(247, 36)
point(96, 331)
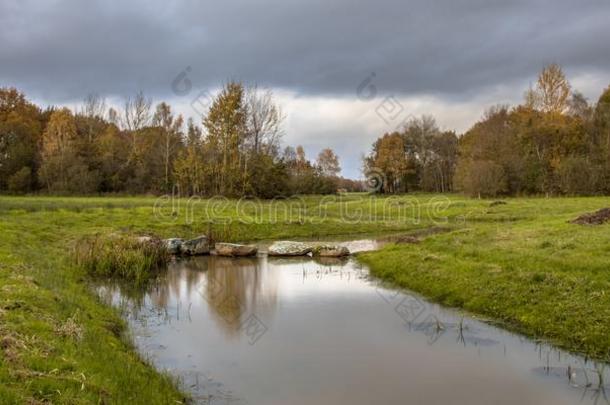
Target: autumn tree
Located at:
point(226, 128)
point(388, 158)
point(20, 132)
point(328, 163)
point(552, 92)
point(62, 169)
point(189, 168)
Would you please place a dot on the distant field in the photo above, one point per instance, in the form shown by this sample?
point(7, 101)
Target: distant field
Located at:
point(520, 263)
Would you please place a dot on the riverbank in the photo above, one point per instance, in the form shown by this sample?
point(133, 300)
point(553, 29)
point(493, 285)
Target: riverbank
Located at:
point(519, 262)
point(535, 273)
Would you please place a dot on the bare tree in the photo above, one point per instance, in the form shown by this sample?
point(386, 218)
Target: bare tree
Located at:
point(578, 106)
point(136, 114)
point(264, 119)
point(94, 106)
point(172, 134)
point(93, 109)
point(113, 117)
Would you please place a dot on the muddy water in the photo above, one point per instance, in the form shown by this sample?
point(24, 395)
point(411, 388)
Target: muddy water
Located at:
point(301, 331)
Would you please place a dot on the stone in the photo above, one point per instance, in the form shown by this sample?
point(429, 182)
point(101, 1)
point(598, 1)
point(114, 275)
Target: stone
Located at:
point(331, 251)
point(288, 248)
point(330, 261)
point(195, 247)
point(144, 240)
point(173, 245)
point(235, 250)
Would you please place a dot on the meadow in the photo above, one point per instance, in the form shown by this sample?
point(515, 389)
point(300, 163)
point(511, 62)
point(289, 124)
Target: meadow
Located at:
point(518, 262)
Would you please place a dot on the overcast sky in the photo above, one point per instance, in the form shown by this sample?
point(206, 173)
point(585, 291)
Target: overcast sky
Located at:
point(345, 71)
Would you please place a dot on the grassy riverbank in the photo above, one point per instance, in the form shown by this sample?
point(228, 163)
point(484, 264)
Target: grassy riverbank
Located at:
point(521, 263)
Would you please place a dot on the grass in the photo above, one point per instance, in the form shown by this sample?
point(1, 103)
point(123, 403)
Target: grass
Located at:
point(536, 274)
point(122, 257)
point(520, 263)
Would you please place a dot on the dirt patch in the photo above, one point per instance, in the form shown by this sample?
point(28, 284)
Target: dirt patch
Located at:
point(496, 203)
point(593, 218)
point(408, 239)
point(418, 235)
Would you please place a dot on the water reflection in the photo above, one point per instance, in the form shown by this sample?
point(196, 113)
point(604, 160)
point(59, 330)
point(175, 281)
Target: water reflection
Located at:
point(301, 331)
point(237, 287)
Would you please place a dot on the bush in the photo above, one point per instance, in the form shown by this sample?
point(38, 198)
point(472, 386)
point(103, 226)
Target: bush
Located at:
point(21, 181)
point(123, 257)
point(578, 176)
point(482, 178)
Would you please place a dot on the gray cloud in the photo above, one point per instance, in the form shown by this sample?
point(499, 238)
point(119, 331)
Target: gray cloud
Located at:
point(66, 48)
point(455, 51)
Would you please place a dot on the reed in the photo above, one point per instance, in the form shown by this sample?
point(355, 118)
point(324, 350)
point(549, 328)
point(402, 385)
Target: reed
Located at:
point(121, 256)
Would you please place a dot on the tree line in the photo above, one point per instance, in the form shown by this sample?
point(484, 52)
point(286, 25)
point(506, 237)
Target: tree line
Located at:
point(234, 151)
point(554, 143)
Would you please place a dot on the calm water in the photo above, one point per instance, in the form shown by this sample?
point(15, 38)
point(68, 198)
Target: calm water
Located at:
point(300, 331)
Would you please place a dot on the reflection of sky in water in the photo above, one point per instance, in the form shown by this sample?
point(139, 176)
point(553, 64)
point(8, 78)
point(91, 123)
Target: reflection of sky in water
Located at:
point(297, 331)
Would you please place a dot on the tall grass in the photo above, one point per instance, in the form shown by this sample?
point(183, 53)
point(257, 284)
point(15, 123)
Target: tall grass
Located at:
point(122, 257)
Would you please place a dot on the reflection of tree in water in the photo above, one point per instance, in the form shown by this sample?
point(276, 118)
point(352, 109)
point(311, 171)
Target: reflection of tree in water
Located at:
point(182, 282)
point(237, 288)
point(234, 288)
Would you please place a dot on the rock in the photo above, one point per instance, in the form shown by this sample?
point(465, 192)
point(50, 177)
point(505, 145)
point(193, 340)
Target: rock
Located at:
point(330, 261)
point(235, 250)
point(288, 248)
point(195, 247)
point(144, 239)
point(331, 251)
point(173, 245)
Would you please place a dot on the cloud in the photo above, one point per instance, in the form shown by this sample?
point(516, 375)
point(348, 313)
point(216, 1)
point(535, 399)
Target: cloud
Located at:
point(446, 56)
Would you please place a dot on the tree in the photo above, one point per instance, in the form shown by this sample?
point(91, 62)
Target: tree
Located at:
point(552, 91)
point(601, 137)
point(389, 160)
point(226, 128)
point(172, 136)
point(485, 179)
point(189, 166)
point(62, 170)
point(94, 106)
point(328, 163)
point(136, 115)
point(20, 133)
point(113, 148)
point(578, 106)
point(264, 119)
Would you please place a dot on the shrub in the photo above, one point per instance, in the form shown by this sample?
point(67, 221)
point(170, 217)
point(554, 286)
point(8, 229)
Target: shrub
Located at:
point(21, 181)
point(578, 176)
point(123, 257)
point(481, 178)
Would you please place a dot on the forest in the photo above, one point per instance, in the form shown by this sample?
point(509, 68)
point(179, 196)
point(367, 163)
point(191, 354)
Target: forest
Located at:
point(234, 151)
point(554, 143)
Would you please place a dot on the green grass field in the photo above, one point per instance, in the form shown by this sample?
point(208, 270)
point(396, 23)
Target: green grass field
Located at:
point(521, 264)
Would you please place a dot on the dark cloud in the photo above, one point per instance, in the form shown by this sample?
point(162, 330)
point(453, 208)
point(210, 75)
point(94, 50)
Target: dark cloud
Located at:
point(64, 49)
point(450, 58)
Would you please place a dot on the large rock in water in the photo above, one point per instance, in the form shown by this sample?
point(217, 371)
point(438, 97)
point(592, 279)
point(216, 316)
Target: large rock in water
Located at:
point(288, 248)
point(197, 246)
point(235, 250)
point(330, 251)
point(173, 245)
